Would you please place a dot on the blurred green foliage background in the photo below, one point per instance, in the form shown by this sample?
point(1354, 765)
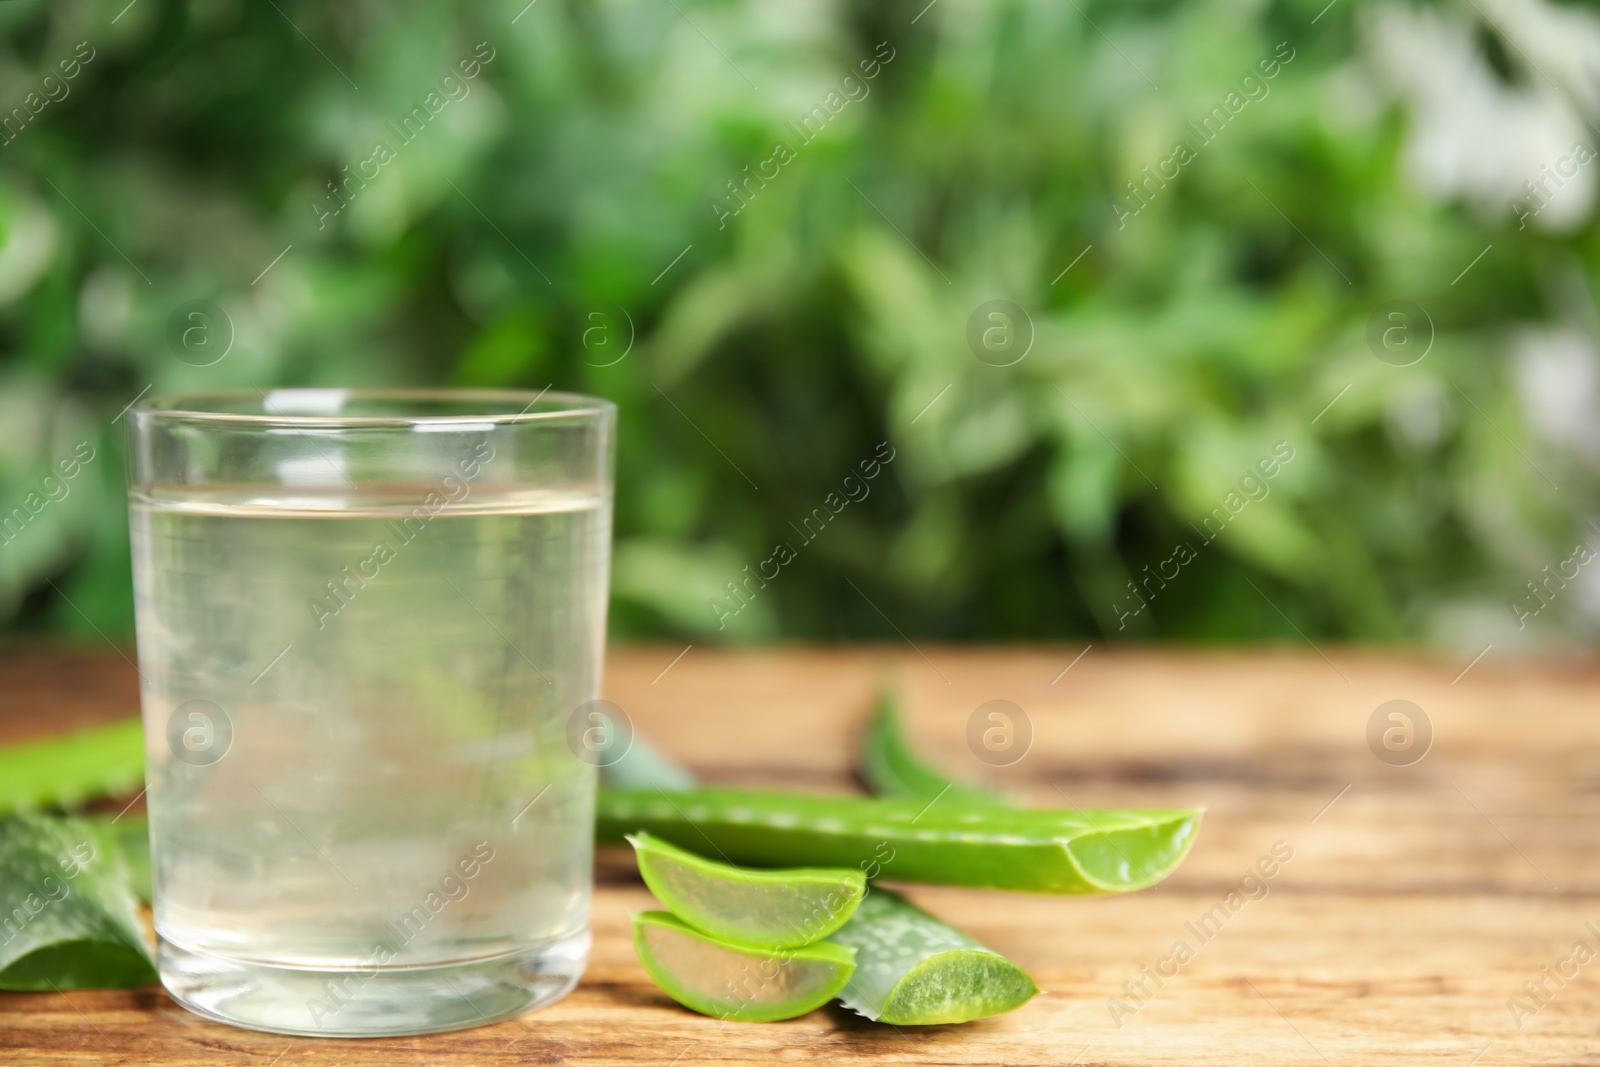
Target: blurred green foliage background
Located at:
point(571, 202)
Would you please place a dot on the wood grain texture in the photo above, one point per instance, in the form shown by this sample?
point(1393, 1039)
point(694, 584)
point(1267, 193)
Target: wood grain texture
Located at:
point(1417, 902)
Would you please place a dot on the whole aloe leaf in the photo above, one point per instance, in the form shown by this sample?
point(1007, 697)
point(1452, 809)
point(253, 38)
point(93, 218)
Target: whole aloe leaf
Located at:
point(1039, 850)
point(68, 918)
point(942, 841)
point(912, 969)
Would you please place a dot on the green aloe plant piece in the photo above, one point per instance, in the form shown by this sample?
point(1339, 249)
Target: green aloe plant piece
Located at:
point(718, 978)
point(68, 770)
point(912, 969)
point(938, 841)
point(1043, 850)
point(892, 768)
point(644, 766)
point(131, 832)
point(759, 909)
point(68, 919)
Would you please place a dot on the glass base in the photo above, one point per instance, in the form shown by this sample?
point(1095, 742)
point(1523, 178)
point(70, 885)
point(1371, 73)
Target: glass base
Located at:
point(356, 1002)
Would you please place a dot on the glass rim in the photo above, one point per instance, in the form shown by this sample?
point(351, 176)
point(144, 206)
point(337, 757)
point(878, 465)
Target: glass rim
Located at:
point(209, 407)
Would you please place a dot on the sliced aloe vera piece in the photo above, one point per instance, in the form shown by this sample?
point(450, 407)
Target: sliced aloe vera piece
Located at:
point(1038, 850)
point(67, 916)
point(68, 770)
point(758, 909)
point(912, 969)
point(715, 977)
point(892, 768)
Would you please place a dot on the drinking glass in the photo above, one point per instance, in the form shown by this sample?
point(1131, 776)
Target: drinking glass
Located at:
point(365, 621)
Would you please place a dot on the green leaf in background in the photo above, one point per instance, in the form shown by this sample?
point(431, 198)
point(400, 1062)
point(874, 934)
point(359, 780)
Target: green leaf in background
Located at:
point(912, 969)
point(892, 768)
point(1042, 850)
point(66, 771)
point(68, 919)
point(1225, 315)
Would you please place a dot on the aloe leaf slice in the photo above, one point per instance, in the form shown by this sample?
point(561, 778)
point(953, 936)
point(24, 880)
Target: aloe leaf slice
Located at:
point(68, 919)
point(912, 969)
point(758, 909)
point(718, 978)
point(68, 770)
point(1038, 850)
point(892, 768)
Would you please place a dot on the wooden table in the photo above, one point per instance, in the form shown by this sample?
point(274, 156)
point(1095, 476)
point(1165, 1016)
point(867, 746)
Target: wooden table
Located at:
point(1418, 900)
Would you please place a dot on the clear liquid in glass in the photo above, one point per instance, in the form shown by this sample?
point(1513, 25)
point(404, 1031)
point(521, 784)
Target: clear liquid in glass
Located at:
point(365, 813)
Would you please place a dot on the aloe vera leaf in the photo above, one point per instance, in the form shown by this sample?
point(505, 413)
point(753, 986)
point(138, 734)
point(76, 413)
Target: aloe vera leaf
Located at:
point(132, 835)
point(892, 768)
point(940, 841)
point(644, 766)
point(68, 919)
point(758, 909)
point(715, 977)
point(1038, 850)
point(912, 969)
point(68, 770)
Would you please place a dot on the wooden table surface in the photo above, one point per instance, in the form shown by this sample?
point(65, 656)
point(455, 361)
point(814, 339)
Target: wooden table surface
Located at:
point(1418, 901)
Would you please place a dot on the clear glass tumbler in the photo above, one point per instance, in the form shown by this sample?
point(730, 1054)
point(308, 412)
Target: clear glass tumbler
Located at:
point(366, 620)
